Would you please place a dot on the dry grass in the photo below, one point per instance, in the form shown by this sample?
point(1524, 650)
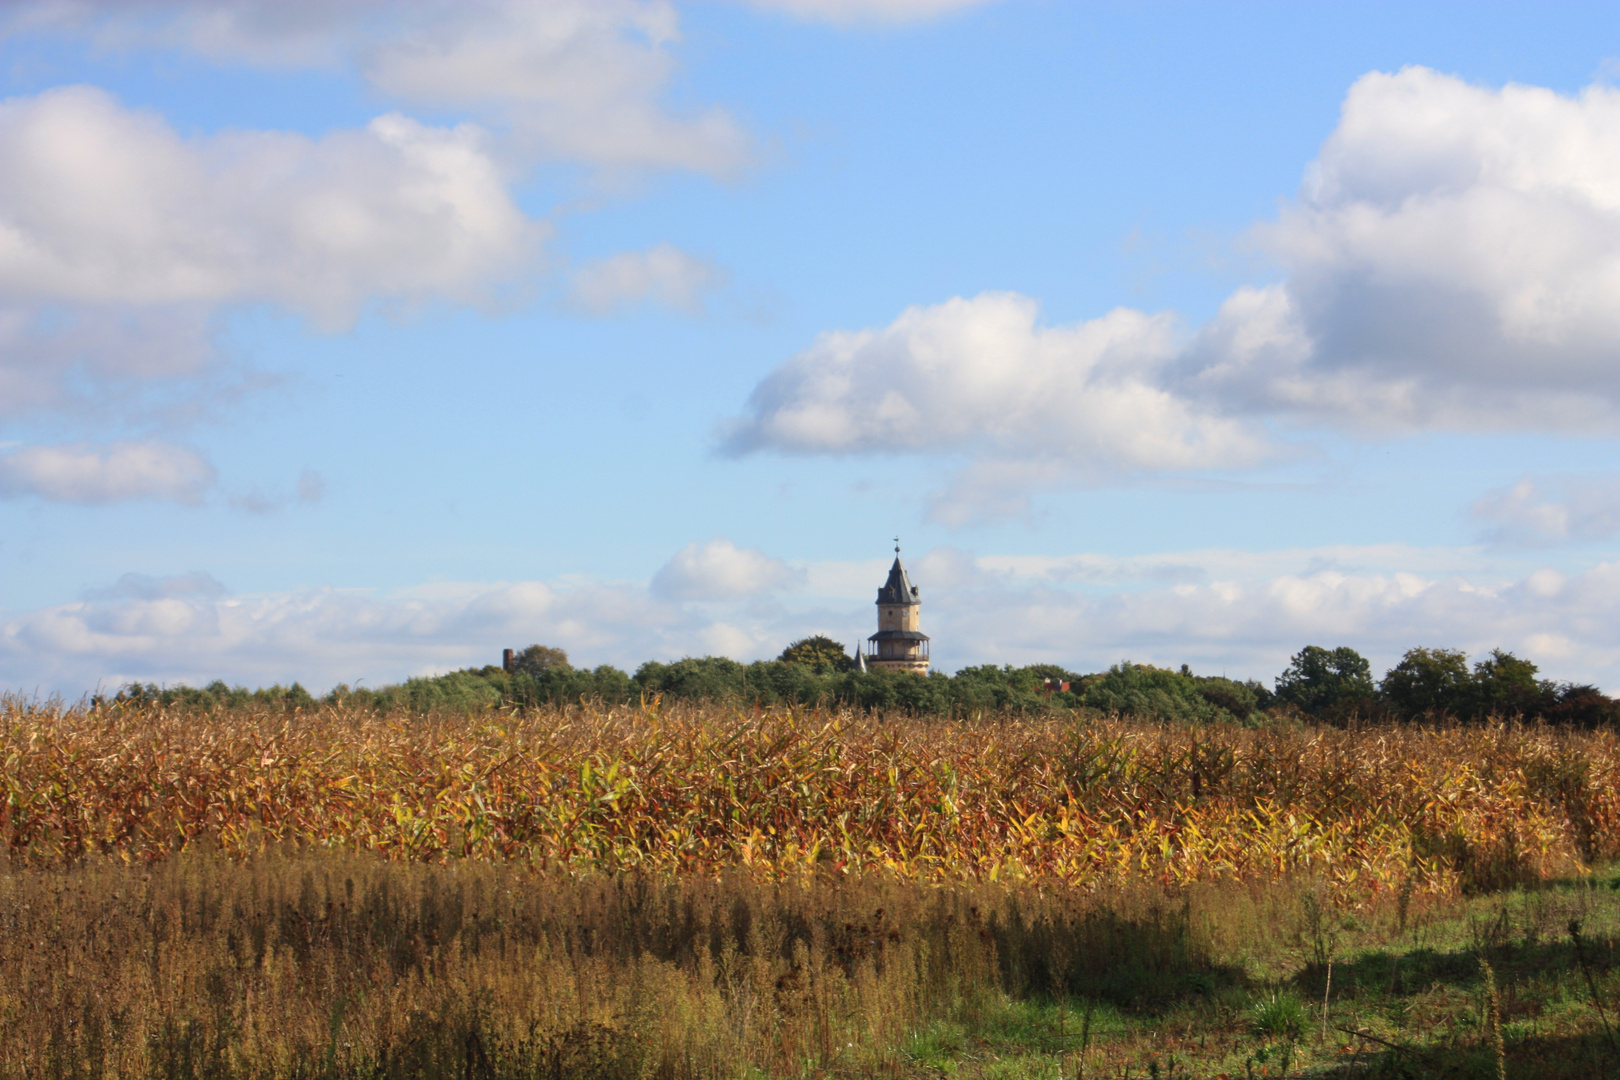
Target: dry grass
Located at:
point(699, 893)
point(333, 965)
point(701, 790)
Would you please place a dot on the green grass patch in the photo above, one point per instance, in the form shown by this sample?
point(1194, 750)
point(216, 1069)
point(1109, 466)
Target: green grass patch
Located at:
point(1394, 994)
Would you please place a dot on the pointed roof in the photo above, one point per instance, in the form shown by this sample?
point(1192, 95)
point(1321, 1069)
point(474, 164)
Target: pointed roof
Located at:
point(898, 589)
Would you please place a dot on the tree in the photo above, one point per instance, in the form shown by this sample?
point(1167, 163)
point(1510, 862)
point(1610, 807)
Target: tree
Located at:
point(694, 678)
point(1583, 705)
point(1430, 681)
point(536, 660)
point(1321, 681)
point(1505, 685)
point(820, 653)
point(1144, 690)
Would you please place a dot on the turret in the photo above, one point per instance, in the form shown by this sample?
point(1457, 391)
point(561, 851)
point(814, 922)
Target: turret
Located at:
point(899, 644)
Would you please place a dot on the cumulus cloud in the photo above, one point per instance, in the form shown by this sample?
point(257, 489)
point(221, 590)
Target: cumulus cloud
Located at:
point(100, 204)
point(1453, 261)
point(983, 376)
point(581, 77)
point(88, 474)
point(1539, 513)
point(717, 569)
point(982, 372)
point(122, 242)
point(663, 273)
point(576, 79)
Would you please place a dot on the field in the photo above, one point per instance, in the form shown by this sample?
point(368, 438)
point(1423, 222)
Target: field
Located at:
point(701, 891)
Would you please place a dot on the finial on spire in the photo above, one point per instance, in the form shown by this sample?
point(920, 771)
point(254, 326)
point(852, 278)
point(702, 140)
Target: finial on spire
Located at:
point(897, 545)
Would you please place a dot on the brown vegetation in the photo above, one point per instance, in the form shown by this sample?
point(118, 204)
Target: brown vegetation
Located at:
point(345, 966)
point(694, 892)
point(704, 790)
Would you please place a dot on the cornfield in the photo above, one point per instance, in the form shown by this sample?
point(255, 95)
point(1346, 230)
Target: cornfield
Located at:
point(705, 791)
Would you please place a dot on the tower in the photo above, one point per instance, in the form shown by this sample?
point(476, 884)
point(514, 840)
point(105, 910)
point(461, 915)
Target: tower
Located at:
point(898, 645)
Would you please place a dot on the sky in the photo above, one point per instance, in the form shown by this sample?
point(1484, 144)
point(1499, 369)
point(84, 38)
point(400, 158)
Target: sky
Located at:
point(343, 341)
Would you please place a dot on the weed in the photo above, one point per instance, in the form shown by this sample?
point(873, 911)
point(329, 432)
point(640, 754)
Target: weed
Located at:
point(1279, 1016)
point(1493, 1019)
point(1591, 982)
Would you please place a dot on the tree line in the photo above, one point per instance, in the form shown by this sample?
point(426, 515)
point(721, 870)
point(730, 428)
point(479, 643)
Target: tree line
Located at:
point(1332, 685)
point(1337, 684)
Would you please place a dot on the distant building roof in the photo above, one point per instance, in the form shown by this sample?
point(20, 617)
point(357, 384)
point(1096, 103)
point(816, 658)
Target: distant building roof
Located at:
point(898, 589)
point(899, 635)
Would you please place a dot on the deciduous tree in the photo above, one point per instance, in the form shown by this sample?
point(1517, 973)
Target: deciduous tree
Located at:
point(1322, 681)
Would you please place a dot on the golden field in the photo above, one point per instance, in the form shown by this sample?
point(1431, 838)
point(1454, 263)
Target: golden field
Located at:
point(700, 790)
point(706, 892)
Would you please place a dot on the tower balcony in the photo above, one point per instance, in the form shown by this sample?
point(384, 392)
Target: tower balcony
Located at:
point(897, 645)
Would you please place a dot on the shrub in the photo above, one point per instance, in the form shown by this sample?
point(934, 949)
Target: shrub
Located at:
point(1280, 1016)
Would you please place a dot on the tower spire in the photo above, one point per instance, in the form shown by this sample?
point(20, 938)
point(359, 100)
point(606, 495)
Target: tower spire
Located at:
point(899, 644)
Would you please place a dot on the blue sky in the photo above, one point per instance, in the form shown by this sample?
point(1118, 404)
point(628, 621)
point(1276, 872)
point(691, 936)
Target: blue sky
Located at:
point(350, 341)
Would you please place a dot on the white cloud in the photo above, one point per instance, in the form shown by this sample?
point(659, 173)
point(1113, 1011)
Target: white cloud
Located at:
point(1453, 261)
point(286, 33)
point(853, 11)
point(51, 356)
point(1532, 513)
point(121, 241)
point(1246, 613)
point(576, 79)
point(100, 204)
point(84, 473)
point(1242, 613)
point(980, 372)
point(663, 273)
point(147, 587)
point(124, 244)
point(720, 570)
point(581, 77)
point(981, 376)
point(159, 631)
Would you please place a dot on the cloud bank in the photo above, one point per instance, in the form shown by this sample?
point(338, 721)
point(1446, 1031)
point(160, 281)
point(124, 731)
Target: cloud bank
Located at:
point(1242, 613)
point(719, 570)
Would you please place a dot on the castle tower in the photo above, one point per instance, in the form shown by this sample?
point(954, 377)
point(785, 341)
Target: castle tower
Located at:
point(898, 645)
